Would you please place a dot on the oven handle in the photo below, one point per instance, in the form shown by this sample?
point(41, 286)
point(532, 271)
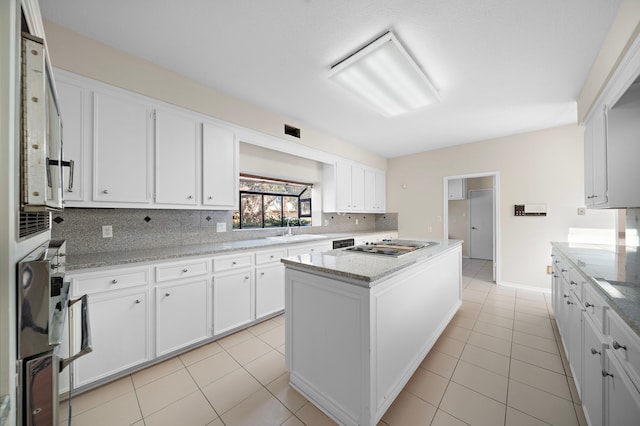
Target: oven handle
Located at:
point(85, 345)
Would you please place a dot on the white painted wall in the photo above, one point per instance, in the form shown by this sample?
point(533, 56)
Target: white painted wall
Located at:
point(267, 162)
point(539, 167)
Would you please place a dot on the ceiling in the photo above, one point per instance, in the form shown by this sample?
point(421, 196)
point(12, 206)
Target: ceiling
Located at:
point(501, 66)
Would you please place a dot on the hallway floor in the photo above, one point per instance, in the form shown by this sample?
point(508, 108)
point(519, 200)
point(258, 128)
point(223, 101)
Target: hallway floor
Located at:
point(499, 362)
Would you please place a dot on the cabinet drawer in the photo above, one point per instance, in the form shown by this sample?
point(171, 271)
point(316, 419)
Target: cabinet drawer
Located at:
point(182, 270)
point(270, 256)
point(594, 306)
point(110, 280)
point(309, 248)
point(626, 345)
point(576, 282)
point(231, 262)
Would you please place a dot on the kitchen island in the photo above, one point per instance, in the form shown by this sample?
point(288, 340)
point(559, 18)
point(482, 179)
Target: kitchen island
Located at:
point(358, 325)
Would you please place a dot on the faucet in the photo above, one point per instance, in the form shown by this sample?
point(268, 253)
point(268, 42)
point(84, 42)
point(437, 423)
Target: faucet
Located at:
point(288, 227)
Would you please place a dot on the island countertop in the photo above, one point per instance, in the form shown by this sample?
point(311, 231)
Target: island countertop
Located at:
point(365, 269)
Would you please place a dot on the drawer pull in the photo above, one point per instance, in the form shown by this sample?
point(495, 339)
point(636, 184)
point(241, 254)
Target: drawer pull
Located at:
point(617, 346)
point(573, 283)
point(246, 278)
point(114, 281)
point(589, 305)
point(185, 270)
point(565, 295)
point(167, 294)
point(569, 302)
point(606, 373)
point(271, 257)
point(594, 352)
point(262, 274)
point(105, 192)
point(190, 197)
point(563, 270)
point(234, 263)
point(138, 301)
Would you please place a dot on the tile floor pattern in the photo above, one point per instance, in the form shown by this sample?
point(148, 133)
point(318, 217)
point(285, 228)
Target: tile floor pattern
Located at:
point(499, 362)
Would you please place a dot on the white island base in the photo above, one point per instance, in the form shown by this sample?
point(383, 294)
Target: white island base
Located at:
point(352, 346)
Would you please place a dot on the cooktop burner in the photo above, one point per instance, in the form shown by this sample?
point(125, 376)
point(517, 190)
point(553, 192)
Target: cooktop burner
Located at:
point(392, 248)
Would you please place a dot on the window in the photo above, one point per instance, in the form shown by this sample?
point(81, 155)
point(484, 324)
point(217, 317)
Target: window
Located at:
point(271, 203)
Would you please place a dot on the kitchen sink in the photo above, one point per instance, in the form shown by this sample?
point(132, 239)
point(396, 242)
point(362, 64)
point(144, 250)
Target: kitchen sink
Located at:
point(299, 237)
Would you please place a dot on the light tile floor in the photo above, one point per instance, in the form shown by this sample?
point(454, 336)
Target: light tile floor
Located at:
point(499, 362)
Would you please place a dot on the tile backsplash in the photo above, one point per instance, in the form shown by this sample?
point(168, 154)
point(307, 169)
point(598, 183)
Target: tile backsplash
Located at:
point(135, 229)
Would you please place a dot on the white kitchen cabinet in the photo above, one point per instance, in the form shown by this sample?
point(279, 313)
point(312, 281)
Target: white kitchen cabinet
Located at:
point(622, 407)
point(122, 133)
point(344, 188)
point(269, 289)
point(233, 300)
point(299, 249)
point(374, 191)
point(181, 315)
point(177, 158)
point(219, 167)
point(120, 335)
point(575, 344)
point(457, 189)
point(592, 382)
point(72, 99)
point(595, 159)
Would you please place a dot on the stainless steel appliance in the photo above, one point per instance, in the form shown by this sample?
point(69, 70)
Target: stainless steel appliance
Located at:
point(43, 301)
point(41, 162)
point(393, 248)
point(346, 242)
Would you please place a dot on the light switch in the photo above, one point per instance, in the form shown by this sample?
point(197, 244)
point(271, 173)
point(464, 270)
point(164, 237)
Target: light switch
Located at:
point(107, 231)
point(221, 227)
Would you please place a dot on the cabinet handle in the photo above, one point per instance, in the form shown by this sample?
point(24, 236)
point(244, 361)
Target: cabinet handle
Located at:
point(573, 283)
point(105, 191)
point(271, 257)
point(556, 261)
point(167, 294)
point(569, 302)
point(189, 197)
point(246, 278)
point(555, 276)
point(594, 352)
point(185, 270)
point(114, 281)
point(588, 305)
point(262, 274)
point(234, 263)
point(138, 301)
point(563, 270)
point(606, 373)
point(565, 295)
point(617, 346)
point(210, 197)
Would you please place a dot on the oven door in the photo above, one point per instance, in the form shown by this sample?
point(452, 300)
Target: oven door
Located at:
point(39, 391)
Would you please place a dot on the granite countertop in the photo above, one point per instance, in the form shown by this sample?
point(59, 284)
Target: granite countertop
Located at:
point(114, 258)
point(364, 269)
point(614, 273)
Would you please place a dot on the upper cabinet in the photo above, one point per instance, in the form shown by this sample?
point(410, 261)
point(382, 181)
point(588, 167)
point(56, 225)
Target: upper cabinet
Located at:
point(611, 139)
point(350, 187)
point(177, 143)
point(133, 151)
point(457, 189)
point(219, 167)
point(122, 135)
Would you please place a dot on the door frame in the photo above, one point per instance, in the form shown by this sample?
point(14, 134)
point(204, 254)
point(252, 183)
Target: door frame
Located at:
point(497, 276)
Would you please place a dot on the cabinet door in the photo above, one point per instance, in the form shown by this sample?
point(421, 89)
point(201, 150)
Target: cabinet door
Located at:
point(622, 406)
point(219, 167)
point(575, 338)
point(381, 192)
point(370, 190)
point(176, 158)
point(232, 300)
point(357, 189)
point(457, 189)
point(592, 381)
point(269, 289)
point(343, 186)
point(181, 315)
point(119, 329)
point(71, 99)
point(595, 158)
point(122, 129)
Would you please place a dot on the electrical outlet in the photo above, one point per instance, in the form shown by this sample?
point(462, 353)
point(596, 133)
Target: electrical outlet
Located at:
point(221, 227)
point(107, 231)
point(356, 221)
point(430, 229)
point(582, 211)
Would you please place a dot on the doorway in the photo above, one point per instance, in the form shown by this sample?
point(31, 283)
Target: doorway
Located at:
point(481, 224)
point(457, 215)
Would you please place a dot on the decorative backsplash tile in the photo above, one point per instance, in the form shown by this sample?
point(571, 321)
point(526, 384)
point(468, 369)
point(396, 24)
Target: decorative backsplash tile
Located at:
point(135, 229)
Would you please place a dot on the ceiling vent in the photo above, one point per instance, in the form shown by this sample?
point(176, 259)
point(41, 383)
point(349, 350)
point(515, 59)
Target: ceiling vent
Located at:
point(291, 131)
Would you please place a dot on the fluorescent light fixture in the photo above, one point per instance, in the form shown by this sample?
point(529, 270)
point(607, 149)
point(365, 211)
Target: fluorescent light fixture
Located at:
point(383, 74)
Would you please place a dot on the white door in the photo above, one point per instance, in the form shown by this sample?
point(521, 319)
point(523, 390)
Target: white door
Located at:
point(481, 221)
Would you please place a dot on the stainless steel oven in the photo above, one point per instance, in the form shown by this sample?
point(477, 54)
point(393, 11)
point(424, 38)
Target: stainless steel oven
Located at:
point(43, 302)
point(346, 242)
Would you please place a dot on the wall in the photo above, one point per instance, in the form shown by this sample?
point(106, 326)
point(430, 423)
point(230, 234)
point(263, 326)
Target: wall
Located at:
point(624, 30)
point(269, 163)
point(81, 228)
point(75, 53)
point(459, 212)
point(538, 167)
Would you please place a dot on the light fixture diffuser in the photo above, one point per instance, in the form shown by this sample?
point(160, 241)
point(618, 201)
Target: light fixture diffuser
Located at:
point(385, 75)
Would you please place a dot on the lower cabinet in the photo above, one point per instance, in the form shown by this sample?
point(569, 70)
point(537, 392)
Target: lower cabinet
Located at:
point(181, 315)
point(592, 381)
point(622, 398)
point(269, 289)
point(232, 300)
point(120, 329)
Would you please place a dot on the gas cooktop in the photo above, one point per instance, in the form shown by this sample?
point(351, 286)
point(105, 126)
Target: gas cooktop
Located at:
point(393, 248)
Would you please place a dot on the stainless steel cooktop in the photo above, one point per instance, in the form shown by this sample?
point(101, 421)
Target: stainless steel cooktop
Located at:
point(393, 248)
